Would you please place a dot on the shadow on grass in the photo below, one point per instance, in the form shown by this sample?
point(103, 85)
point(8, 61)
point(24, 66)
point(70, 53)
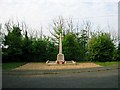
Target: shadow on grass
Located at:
point(12, 65)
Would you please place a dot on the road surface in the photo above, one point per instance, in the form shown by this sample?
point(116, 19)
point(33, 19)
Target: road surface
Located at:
point(96, 79)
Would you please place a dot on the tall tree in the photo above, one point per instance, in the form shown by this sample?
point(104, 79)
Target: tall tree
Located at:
point(52, 49)
point(71, 47)
point(58, 27)
point(101, 47)
point(82, 39)
point(118, 52)
point(13, 41)
point(26, 47)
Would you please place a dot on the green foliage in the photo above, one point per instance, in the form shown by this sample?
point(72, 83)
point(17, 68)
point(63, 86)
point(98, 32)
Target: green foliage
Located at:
point(39, 50)
point(71, 47)
point(82, 40)
point(51, 49)
point(18, 47)
point(118, 53)
point(14, 42)
point(24, 48)
point(101, 47)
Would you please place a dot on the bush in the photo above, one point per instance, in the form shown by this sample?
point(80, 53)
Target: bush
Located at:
point(101, 47)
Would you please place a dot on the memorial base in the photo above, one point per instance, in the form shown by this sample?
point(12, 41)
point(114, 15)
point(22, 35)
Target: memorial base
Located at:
point(60, 59)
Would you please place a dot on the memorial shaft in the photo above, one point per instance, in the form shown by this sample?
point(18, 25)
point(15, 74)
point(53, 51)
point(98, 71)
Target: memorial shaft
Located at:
point(60, 44)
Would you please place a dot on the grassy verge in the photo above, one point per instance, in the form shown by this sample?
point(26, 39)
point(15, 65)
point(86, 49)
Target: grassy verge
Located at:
point(108, 63)
point(9, 66)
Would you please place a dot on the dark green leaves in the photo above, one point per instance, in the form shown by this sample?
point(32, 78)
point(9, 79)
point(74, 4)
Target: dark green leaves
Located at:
point(101, 47)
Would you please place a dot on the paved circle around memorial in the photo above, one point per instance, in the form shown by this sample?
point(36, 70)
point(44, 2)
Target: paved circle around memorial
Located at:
point(43, 66)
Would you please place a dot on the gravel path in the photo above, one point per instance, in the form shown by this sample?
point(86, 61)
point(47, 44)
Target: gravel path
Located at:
point(43, 66)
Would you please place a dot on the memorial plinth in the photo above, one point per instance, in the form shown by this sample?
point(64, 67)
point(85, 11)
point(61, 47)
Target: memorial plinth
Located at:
point(60, 57)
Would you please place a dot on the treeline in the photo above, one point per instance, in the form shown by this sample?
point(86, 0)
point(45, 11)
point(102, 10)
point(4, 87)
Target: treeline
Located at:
point(78, 44)
point(27, 49)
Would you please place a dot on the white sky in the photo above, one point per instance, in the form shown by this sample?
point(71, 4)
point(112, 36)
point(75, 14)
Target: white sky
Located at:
point(41, 12)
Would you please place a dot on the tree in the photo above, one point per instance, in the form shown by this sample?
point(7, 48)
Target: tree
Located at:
point(70, 27)
point(101, 47)
point(13, 41)
point(71, 47)
point(26, 47)
point(83, 34)
point(52, 49)
point(118, 52)
point(39, 50)
point(82, 40)
point(58, 27)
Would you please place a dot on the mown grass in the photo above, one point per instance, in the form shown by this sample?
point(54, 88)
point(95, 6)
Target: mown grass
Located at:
point(113, 63)
point(9, 66)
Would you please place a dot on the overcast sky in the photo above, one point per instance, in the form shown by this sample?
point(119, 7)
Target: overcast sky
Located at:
point(41, 12)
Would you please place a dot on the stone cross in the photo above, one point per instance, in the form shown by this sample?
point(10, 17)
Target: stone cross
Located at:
point(60, 56)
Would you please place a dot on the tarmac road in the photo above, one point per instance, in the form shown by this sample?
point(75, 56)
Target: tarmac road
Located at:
point(96, 79)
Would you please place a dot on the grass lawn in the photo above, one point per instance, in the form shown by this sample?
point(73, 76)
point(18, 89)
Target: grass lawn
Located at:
point(9, 66)
point(113, 63)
